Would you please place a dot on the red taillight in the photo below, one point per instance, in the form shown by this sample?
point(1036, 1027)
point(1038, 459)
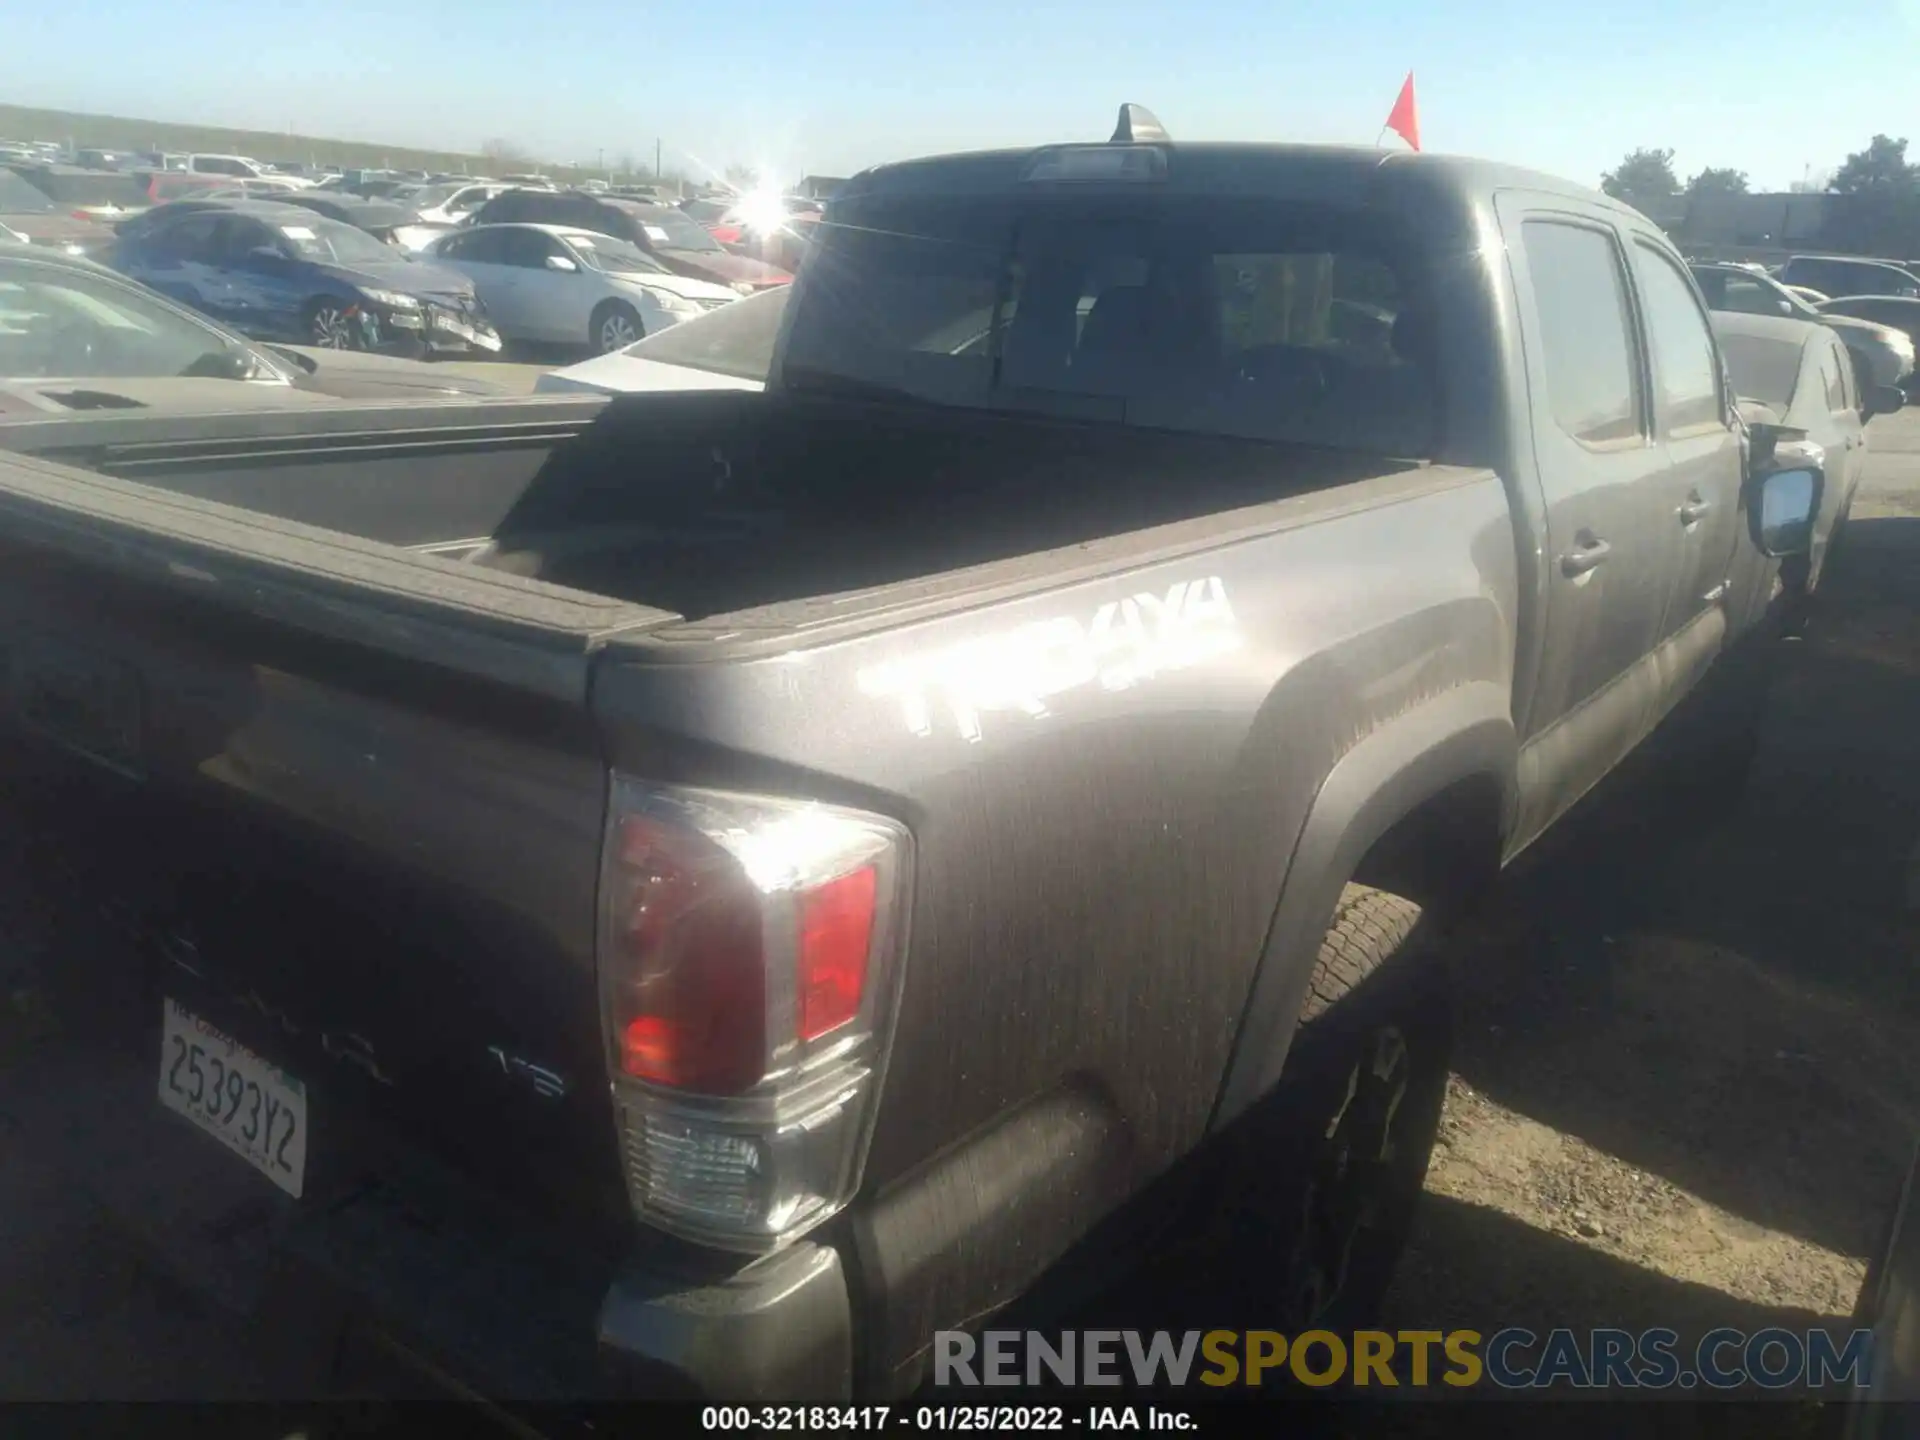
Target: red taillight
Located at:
point(696, 1011)
point(750, 950)
point(836, 932)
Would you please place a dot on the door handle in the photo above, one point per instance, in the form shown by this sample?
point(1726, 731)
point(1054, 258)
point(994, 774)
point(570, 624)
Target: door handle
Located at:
point(1695, 507)
point(1579, 562)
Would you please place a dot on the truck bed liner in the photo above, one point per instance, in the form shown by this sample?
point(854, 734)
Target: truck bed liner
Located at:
point(530, 635)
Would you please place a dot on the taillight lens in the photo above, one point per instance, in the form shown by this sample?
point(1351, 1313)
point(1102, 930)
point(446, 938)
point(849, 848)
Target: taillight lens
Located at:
point(750, 951)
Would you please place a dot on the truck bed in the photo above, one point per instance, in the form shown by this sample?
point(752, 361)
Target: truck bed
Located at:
point(695, 506)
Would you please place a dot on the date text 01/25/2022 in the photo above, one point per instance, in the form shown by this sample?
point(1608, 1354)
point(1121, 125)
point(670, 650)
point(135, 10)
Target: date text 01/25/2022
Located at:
point(985, 1419)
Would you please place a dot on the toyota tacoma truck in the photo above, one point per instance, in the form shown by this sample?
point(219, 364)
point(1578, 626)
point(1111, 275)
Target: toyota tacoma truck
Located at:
point(695, 894)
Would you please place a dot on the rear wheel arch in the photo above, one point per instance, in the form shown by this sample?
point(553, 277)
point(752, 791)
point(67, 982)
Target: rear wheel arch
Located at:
point(1419, 808)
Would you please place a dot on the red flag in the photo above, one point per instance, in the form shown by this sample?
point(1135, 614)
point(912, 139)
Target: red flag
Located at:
point(1404, 120)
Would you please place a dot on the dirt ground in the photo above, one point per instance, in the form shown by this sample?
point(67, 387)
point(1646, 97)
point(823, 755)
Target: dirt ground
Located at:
point(1688, 1076)
point(1687, 1082)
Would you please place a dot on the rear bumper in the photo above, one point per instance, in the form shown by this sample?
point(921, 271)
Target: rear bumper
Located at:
point(432, 330)
point(478, 1299)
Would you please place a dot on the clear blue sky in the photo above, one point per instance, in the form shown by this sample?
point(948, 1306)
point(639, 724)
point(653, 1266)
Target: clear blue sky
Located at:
point(827, 86)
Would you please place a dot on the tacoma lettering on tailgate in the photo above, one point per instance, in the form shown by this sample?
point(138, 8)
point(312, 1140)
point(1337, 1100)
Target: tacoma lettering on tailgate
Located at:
point(1124, 643)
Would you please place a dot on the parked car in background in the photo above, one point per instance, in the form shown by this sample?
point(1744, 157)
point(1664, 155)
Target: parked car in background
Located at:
point(379, 218)
point(667, 233)
point(552, 284)
point(451, 202)
point(1883, 354)
point(382, 219)
point(372, 184)
point(158, 160)
point(105, 195)
point(163, 186)
point(64, 319)
point(28, 211)
point(105, 159)
point(709, 210)
point(239, 167)
point(278, 272)
point(1839, 275)
point(1899, 313)
point(729, 349)
point(270, 187)
point(1804, 377)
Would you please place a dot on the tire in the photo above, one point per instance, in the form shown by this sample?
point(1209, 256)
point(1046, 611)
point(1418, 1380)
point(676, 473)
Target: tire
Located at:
point(1323, 1178)
point(329, 326)
point(614, 326)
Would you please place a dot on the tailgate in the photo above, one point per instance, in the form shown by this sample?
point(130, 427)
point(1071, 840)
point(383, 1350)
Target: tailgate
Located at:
point(365, 848)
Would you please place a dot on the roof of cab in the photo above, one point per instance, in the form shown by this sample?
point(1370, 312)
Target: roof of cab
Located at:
point(1225, 168)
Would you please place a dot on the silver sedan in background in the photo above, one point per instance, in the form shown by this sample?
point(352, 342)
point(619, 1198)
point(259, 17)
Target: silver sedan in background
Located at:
point(1883, 355)
point(555, 284)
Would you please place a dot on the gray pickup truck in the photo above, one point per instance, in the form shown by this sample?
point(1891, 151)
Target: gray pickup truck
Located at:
point(699, 893)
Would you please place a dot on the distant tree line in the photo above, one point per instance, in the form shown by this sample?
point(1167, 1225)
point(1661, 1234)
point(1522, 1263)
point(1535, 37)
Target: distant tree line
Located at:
point(1647, 177)
point(1879, 215)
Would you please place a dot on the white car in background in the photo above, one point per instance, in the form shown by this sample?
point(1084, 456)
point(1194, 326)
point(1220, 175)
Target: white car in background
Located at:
point(555, 284)
point(731, 349)
point(243, 167)
point(451, 202)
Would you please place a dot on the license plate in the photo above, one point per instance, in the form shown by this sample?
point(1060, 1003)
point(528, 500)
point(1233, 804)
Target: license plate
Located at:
point(86, 702)
point(254, 1108)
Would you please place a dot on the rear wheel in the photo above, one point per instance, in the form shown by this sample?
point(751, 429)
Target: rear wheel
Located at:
point(615, 325)
point(329, 326)
point(1323, 1178)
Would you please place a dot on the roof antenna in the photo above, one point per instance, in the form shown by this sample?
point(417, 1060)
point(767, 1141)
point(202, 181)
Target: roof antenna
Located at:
point(1139, 126)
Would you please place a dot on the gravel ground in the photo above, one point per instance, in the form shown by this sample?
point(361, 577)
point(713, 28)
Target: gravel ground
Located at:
point(1688, 1077)
point(1686, 1087)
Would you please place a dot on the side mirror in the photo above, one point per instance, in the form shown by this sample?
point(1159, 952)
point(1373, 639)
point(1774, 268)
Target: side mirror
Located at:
point(1882, 400)
point(266, 253)
point(1783, 510)
point(562, 264)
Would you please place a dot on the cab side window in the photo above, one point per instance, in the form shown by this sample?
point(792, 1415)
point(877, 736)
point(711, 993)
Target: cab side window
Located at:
point(1686, 366)
point(1585, 333)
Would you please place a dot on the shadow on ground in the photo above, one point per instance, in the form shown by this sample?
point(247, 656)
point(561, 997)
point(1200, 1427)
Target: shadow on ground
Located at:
point(1726, 1003)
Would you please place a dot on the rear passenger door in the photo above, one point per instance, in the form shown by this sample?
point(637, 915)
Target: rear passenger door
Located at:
point(179, 260)
point(1611, 560)
point(1694, 424)
point(481, 255)
point(548, 304)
